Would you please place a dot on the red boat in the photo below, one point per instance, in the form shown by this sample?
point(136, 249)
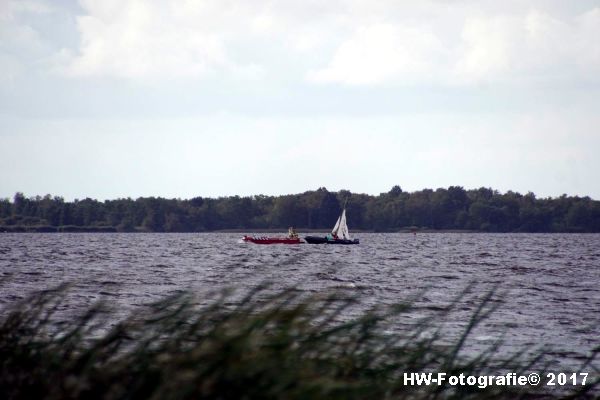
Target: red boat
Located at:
point(271, 240)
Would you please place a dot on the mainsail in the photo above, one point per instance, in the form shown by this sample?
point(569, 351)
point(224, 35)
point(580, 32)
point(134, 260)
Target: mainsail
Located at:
point(341, 228)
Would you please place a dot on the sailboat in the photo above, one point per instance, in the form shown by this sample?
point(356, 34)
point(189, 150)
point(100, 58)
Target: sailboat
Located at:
point(339, 234)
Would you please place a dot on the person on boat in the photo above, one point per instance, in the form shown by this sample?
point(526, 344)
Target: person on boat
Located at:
point(332, 236)
point(292, 233)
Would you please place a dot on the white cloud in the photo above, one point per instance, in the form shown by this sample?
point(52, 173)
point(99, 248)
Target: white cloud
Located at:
point(9, 9)
point(348, 42)
point(586, 44)
point(487, 47)
point(20, 43)
point(532, 47)
point(382, 53)
point(137, 39)
point(529, 46)
point(158, 40)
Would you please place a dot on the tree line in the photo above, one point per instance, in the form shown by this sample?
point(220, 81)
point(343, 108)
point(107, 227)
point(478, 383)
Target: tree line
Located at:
point(454, 208)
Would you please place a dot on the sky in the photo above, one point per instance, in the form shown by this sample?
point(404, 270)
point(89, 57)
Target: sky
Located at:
point(129, 98)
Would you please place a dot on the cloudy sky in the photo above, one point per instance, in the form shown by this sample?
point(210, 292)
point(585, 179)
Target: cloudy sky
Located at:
point(117, 98)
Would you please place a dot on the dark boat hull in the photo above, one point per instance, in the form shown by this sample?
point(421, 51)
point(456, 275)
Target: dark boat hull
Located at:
point(324, 240)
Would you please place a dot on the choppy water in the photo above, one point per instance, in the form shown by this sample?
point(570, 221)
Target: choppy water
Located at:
point(552, 280)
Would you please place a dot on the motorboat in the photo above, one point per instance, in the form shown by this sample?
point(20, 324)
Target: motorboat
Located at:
point(271, 240)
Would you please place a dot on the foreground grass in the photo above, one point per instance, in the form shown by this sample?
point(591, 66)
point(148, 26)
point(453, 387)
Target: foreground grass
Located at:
point(262, 345)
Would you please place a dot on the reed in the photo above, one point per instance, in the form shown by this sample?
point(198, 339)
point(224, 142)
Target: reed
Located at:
point(259, 344)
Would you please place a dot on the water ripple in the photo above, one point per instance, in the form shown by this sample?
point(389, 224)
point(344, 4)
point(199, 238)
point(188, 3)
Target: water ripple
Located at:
point(551, 281)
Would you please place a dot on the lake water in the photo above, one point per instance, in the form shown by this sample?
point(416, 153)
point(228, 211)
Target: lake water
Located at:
point(551, 282)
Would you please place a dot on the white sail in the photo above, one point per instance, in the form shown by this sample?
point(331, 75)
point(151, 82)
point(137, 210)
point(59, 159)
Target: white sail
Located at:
point(341, 227)
point(344, 227)
point(336, 227)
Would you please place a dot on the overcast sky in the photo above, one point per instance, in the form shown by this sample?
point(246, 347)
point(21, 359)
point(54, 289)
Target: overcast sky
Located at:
point(118, 98)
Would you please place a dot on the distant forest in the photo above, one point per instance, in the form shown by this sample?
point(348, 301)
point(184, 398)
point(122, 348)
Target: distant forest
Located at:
point(453, 208)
